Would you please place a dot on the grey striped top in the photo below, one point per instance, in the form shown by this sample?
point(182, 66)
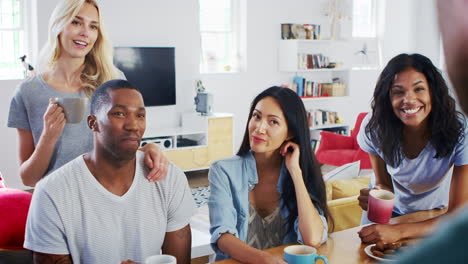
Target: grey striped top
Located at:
point(265, 232)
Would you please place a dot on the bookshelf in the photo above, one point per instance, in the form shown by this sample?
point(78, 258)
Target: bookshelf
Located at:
point(291, 54)
point(324, 127)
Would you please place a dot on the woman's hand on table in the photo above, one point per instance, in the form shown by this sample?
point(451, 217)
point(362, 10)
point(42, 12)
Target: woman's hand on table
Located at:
point(267, 258)
point(156, 161)
point(377, 232)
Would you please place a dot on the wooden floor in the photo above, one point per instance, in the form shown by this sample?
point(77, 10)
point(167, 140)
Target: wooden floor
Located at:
point(200, 260)
point(197, 178)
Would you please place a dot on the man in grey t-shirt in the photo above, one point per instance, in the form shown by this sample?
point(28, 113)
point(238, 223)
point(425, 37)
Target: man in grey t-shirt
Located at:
point(100, 208)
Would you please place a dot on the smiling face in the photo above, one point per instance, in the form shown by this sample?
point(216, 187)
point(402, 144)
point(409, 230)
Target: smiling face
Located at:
point(268, 128)
point(77, 38)
point(410, 97)
point(122, 123)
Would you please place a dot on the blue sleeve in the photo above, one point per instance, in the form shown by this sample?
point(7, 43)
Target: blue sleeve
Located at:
point(461, 150)
point(325, 228)
point(223, 214)
point(18, 115)
point(44, 228)
point(363, 139)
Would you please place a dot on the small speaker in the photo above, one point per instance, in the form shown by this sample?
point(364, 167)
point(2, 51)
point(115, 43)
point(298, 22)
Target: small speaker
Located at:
point(203, 102)
point(163, 143)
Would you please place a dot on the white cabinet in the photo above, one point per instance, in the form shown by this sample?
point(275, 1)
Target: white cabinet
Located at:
point(198, 142)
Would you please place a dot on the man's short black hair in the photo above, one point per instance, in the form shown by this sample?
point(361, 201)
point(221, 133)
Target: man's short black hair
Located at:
point(101, 94)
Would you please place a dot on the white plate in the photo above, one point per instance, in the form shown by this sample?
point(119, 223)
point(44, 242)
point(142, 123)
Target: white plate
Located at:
point(369, 253)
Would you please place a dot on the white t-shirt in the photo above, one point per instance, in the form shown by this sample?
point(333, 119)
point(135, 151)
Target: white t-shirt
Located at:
point(72, 213)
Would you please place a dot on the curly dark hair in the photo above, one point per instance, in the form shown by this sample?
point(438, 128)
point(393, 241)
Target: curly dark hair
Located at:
point(296, 119)
point(446, 124)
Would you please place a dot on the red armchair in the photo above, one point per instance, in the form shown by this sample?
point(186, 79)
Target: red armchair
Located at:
point(14, 206)
point(337, 150)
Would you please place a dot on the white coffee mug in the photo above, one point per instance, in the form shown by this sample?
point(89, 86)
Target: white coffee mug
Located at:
point(74, 108)
point(161, 259)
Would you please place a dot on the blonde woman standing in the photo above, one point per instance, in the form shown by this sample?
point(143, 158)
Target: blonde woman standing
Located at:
point(75, 61)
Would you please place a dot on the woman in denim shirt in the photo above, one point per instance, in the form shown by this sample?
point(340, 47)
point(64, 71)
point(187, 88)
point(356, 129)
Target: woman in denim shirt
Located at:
point(272, 192)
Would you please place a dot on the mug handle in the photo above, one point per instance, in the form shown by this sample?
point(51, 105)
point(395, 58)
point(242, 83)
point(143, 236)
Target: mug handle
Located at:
point(322, 258)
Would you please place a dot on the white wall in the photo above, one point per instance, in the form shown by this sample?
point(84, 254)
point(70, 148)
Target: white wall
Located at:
point(175, 23)
point(9, 142)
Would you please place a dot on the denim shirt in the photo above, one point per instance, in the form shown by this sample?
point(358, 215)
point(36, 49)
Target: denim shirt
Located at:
point(231, 180)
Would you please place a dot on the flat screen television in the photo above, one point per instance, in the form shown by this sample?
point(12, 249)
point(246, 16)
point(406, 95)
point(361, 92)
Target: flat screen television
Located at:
point(151, 70)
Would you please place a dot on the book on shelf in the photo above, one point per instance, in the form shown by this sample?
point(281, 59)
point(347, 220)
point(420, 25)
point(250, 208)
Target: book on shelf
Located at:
point(300, 31)
point(308, 88)
point(314, 61)
point(299, 82)
point(314, 144)
point(319, 118)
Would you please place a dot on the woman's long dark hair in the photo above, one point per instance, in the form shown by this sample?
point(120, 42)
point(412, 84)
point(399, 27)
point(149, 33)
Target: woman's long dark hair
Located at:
point(446, 124)
point(296, 118)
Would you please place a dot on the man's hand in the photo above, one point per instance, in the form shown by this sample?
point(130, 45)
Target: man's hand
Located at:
point(156, 161)
point(128, 261)
point(375, 233)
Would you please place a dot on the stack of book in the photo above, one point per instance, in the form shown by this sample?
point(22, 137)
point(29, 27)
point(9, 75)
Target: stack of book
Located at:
point(318, 118)
point(300, 31)
point(314, 61)
point(308, 88)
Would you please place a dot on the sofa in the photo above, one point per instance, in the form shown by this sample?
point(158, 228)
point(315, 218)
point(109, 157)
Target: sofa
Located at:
point(337, 150)
point(342, 201)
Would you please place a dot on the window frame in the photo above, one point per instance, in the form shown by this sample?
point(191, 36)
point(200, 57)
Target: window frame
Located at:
point(29, 36)
point(374, 21)
point(236, 42)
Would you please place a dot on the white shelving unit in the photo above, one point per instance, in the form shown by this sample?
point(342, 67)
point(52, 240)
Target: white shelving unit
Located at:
point(344, 125)
point(337, 51)
point(288, 59)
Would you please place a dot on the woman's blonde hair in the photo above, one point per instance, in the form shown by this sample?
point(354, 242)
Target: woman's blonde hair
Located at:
point(98, 65)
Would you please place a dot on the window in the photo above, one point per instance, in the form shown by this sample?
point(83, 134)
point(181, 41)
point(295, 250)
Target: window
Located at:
point(12, 38)
point(364, 19)
point(219, 29)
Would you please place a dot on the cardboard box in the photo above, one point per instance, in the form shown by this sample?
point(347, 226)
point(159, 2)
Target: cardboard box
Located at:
point(334, 89)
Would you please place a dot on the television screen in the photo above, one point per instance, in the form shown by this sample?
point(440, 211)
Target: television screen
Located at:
point(151, 70)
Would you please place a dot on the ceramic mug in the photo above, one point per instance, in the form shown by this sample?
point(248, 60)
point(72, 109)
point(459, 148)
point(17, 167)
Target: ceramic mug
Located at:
point(380, 206)
point(161, 259)
point(301, 254)
point(74, 108)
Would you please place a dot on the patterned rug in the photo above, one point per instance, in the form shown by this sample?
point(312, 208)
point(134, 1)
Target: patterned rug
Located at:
point(200, 195)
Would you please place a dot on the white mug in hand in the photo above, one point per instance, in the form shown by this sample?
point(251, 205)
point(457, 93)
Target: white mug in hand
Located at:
point(74, 108)
point(161, 259)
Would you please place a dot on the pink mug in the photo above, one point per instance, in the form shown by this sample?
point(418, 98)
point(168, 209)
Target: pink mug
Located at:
point(380, 206)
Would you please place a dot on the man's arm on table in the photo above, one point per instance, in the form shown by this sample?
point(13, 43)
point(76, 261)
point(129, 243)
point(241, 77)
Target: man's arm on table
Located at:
point(42, 258)
point(179, 244)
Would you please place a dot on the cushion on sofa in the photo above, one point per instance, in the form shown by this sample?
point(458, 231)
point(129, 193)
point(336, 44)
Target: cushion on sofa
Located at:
point(14, 206)
point(346, 171)
point(343, 203)
point(348, 187)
